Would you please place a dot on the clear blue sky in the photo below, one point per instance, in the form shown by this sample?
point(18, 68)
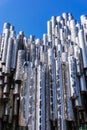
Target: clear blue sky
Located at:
point(31, 15)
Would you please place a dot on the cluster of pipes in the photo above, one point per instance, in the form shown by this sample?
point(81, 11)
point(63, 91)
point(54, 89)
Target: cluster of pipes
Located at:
point(43, 82)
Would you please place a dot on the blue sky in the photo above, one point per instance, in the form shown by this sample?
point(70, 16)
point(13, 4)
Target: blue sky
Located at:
point(31, 15)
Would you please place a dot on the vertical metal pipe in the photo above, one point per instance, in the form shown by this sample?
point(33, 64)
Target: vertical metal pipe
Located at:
point(5, 46)
point(83, 47)
point(47, 99)
point(9, 56)
point(40, 100)
point(49, 31)
point(83, 84)
point(72, 74)
point(14, 54)
point(61, 124)
point(24, 96)
point(20, 61)
point(73, 30)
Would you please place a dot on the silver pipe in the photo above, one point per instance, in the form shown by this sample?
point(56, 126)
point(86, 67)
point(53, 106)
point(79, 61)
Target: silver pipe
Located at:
point(20, 61)
point(6, 110)
point(10, 106)
point(14, 54)
point(15, 110)
point(49, 31)
point(24, 96)
point(60, 105)
point(9, 56)
point(32, 52)
point(6, 89)
point(73, 30)
point(83, 47)
point(16, 89)
point(65, 16)
point(40, 99)
point(77, 54)
point(83, 84)
point(47, 102)
point(45, 39)
point(5, 46)
point(69, 115)
point(53, 20)
point(6, 79)
point(72, 74)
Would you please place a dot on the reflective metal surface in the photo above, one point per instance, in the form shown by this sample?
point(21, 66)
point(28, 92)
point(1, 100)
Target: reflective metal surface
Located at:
point(43, 82)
